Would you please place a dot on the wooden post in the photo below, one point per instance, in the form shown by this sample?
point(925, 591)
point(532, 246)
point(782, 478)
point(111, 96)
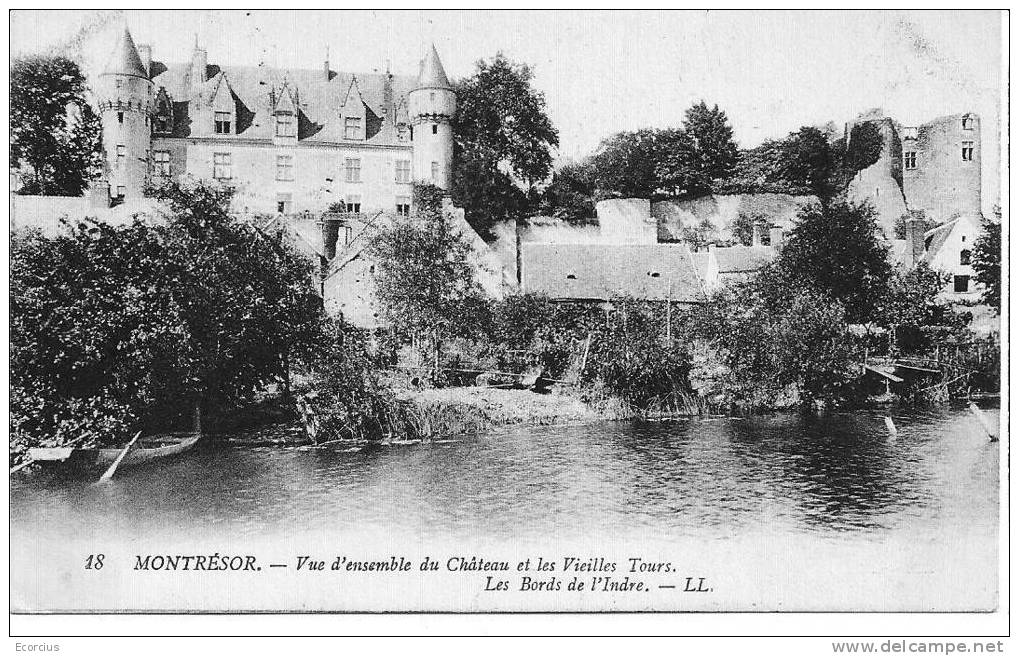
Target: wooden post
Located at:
point(986, 425)
point(196, 426)
point(890, 425)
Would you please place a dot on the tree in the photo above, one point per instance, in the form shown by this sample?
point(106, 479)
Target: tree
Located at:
point(808, 160)
point(987, 260)
point(713, 150)
point(502, 134)
point(570, 195)
point(56, 137)
point(912, 307)
point(625, 164)
point(113, 326)
point(424, 276)
point(901, 222)
point(769, 340)
point(833, 249)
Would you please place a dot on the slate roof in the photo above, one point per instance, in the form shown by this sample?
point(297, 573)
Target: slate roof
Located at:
point(432, 74)
point(935, 238)
point(743, 259)
point(125, 59)
point(597, 271)
point(320, 101)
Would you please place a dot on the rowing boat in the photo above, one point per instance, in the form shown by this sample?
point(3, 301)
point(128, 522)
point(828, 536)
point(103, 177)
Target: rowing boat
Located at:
point(146, 450)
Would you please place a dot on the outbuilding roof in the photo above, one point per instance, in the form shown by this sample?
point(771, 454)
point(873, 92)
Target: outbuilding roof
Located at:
point(598, 271)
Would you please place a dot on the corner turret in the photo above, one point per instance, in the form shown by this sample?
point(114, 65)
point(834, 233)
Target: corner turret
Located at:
point(124, 92)
point(432, 106)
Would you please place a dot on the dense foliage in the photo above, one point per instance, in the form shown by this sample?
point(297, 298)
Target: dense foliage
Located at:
point(834, 250)
point(117, 326)
point(424, 274)
point(771, 343)
point(987, 261)
point(502, 137)
point(56, 137)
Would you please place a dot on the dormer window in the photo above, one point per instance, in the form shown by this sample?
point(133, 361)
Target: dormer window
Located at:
point(967, 122)
point(352, 127)
point(162, 123)
point(223, 121)
point(286, 126)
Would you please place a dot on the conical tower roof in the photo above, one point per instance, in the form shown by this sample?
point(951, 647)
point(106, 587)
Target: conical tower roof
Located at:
point(432, 75)
point(125, 59)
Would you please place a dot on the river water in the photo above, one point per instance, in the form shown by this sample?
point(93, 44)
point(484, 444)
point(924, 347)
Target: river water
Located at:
point(777, 513)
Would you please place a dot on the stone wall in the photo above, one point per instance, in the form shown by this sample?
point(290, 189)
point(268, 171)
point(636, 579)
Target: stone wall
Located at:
point(879, 184)
point(674, 215)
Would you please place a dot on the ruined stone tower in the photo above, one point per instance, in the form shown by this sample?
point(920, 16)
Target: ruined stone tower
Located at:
point(124, 93)
point(941, 167)
point(432, 107)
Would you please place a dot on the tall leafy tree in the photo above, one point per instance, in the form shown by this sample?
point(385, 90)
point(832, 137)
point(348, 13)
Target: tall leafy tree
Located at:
point(502, 136)
point(834, 249)
point(625, 164)
point(987, 260)
point(714, 151)
point(424, 275)
point(808, 160)
point(56, 137)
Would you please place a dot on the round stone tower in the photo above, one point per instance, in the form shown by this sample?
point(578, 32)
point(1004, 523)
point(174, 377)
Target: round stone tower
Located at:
point(432, 105)
point(124, 92)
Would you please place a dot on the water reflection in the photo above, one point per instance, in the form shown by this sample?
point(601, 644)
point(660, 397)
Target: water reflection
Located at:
point(826, 476)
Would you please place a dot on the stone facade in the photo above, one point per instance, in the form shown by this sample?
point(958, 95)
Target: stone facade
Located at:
point(287, 140)
point(941, 167)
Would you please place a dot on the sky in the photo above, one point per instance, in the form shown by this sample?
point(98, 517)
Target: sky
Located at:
point(607, 71)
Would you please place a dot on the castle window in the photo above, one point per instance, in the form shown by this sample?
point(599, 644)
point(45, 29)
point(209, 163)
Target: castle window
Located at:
point(353, 169)
point(285, 168)
point(967, 122)
point(435, 129)
point(120, 117)
point(354, 204)
point(967, 151)
point(286, 126)
point(119, 83)
point(435, 171)
point(403, 170)
point(909, 160)
point(961, 284)
point(121, 155)
point(352, 127)
point(964, 257)
point(161, 163)
point(222, 168)
point(222, 122)
point(403, 206)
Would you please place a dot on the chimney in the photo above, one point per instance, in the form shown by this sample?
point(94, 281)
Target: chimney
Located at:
point(915, 240)
point(326, 66)
point(145, 52)
point(759, 230)
point(199, 63)
point(388, 110)
point(776, 237)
